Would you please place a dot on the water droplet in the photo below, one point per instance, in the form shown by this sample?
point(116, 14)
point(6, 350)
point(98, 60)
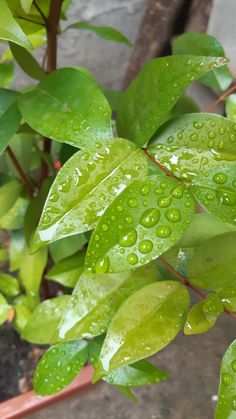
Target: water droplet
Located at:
point(227, 378)
point(132, 259)
point(145, 246)
point(132, 202)
point(220, 178)
point(164, 202)
point(198, 125)
point(105, 227)
point(226, 196)
point(150, 217)
point(233, 365)
point(119, 208)
point(102, 265)
point(54, 197)
point(173, 215)
point(178, 192)
point(46, 218)
point(128, 219)
point(193, 137)
point(233, 403)
point(145, 190)
point(211, 135)
point(97, 237)
point(129, 239)
point(163, 231)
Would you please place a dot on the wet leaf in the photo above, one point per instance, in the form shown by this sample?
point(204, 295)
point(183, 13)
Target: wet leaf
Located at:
point(228, 296)
point(9, 285)
point(215, 190)
point(158, 86)
point(230, 107)
point(213, 265)
point(193, 143)
point(45, 319)
point(96, 298)
point(203, 44)
point(105, 32)
point(31, 270)
point(8, 196)
point(9, 28)
point(59, 366)
point(227, 389)
point(145, 323)
point(198, 321)
point(86, 185)
point(67, 271)
point(68, 106)
point(10, 117)
point(146, 219)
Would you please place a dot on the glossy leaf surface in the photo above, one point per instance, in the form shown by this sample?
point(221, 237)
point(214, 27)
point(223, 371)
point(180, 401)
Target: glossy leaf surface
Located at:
point(146, 219)
point(27, 62)
point(96, 298)
point(227, 390)
point(145, 323)
point(197, 321)
point(86, 185)
point(45, 320)
point(68, 106)
point(67, 271)
point(9, 285)
point(193, 143)
point(213, 265)
point(31, 270)
point(59, 366)
point(228, 296)
point(9, 28)
point(155, 91)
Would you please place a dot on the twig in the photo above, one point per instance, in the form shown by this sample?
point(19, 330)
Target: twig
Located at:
point(186, 282)
point(222, 97)
point(163, 168)
point(20, 171)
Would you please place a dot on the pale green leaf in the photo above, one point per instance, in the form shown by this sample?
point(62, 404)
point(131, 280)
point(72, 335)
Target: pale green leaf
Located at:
point(4, 309)
point(9, 28)
point(14, 218)
point(230, 107)
point(197, 321)
point(22, 315)
point(67, 247)
point(9, 285)
point(26, 5)
point(228, 296)
point(67, 271)
point(8, 196)
point(31, 270)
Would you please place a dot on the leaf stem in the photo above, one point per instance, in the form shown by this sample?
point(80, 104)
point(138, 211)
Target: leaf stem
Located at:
point(163, 168)
point(30, 20)
point(40, 12)
point(186, 282)
point(25, 181)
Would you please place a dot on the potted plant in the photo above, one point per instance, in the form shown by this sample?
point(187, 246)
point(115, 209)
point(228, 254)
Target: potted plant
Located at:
point(99, 194)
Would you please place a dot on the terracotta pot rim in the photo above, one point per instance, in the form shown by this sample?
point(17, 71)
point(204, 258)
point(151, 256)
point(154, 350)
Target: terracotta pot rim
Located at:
point(24, 404)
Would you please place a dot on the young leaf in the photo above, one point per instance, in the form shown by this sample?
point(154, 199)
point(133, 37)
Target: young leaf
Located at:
point(44, 321)
point(31, 270)
point(159, 85)
point(203, 44)
point(227, 389)
point(105, 32)
point(146, 219)
point(9, 285)
point(4, 309)
point(8, 196)
point(228, 296)
point(22, 315)
point(9, 28)
point(230, 107)
point(14, 218)
point(198, 321)
point(215, 190)
point(193, 143)
point(67, 271)
point(145, 323)
point(27, 62)
point(96, 298)
point(68, 106)
point(67, 247)
point(59, 366)
point(86, 185)
point(214, 263)
point(10, 117)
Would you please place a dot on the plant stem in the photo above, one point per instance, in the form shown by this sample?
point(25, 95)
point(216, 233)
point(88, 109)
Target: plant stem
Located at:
point(186, 282)
point(24, 179)
point(222, 97)
point(163, 168)
point(51, 65)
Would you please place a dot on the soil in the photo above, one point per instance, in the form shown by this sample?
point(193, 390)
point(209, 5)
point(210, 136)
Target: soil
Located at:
point(18, 360)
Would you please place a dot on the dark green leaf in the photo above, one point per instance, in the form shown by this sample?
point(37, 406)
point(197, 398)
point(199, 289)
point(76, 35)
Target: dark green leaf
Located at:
point(9, 285)
point(96, 298)
point(203, 44)
point(68, 106)
point(146, 219)
point(59, 366)
point(45, 319)
point(154, 92)
point(145, 323)
point(184, 105)
point(214, 263)
point(31, 270)
point(9, 28)
point(105, 32)
point(66, 247)
point(86, 185)
point(114, 98)
point(27, 62)
point(227, 390)
point(197, 321)
point(67, 271)
point(190, 144)
point(6, 73)
point(9, 117)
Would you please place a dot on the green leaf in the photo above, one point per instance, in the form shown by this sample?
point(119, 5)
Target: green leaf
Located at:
point(105, 32)
point(127, 393)
point(184, 105)
point(27, 62)
point(67, 271)
point(59, 366)
point(228, 296)
point(198, 321)
point(159, 85)
point(212, 305)
point(28, 301)
point(146, 219)
point(96, 298)
point(227, 389)
point(22, 146)
point(214, 263)
point(145, 323)
point(230, 107)
point(44, 321)
point(4, 309)
point(17, 245)
point(66, 247)
point(8, 196)
point(6, 73)
point(9, 285)
point(22, 315)
point(31, 270)
point(203, 44)
point(9, 117)
point(86, 185)
point(9, 28)
point(68, 106)
point(114, 98)
point(190, 144)
point(215, 190)
point(14, 218)
point(26, 5)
